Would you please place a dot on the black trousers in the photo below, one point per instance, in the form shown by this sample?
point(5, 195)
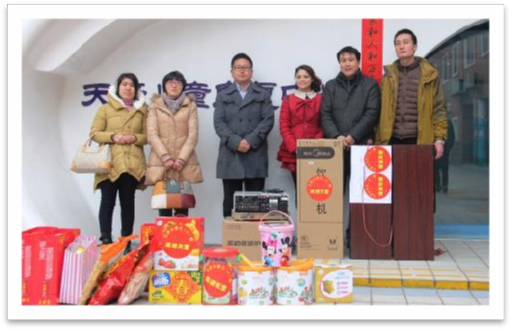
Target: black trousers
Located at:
point(294, 178)
point(347, 168)
point(126, 185)
point(442, 172)
point(169, 212)
point(232, 185)
point(347, 175)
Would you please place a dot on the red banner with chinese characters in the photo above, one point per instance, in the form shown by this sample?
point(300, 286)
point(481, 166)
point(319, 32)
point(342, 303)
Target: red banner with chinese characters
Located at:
point(372, 48)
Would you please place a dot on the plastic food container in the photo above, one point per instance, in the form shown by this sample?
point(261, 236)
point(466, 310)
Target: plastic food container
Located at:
point(256, 285)
point(276, 241)
point(294, 283)
point(220, 276)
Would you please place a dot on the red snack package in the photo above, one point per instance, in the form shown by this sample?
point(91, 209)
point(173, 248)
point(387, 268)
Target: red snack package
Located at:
point(114, 280)
point(138, 280)
point(147, 233)
point(42, 259)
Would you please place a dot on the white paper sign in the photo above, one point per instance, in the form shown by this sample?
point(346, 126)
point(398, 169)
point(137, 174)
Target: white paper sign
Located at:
point(371, 174)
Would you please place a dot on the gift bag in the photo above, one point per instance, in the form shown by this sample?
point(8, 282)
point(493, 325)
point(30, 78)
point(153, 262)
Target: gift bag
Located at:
point(79, 260)
point(173, 195)
point(42, 259)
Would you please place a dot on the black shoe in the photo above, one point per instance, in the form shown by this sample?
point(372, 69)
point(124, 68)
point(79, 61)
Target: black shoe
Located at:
point(105, 239)
point(294, 245)
point(128, 248)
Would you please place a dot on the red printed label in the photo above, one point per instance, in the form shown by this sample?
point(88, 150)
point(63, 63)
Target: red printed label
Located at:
point(319, 188)
point(178, 240)
point(377, 159)
point(217, 279)
point(377, 186)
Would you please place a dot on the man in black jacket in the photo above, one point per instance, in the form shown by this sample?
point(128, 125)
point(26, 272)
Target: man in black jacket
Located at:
point(350, 107)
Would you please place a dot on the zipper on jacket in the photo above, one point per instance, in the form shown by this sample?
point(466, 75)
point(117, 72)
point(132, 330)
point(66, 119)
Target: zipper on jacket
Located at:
point(304, 121)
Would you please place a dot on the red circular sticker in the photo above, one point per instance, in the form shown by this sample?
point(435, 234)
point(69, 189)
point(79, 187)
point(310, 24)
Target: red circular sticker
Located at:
point(217, 279)
point(377, 186)
point(319, 188)
point(377, 159)
point(178, 240)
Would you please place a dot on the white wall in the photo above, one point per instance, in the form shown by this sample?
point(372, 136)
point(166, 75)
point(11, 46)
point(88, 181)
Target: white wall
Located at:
point(55, 122)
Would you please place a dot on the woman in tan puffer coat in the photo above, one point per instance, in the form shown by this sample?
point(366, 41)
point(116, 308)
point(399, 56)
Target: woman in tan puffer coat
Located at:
point(173, 135)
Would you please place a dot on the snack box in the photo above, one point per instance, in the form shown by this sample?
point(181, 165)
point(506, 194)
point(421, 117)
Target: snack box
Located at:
point(333, 283)
point(175, 287)
point(177, 243)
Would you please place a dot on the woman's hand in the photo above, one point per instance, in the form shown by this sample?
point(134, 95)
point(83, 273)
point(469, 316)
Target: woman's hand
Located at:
point(167, 160)
point(179, 164)
point(130, 139)
point(124, 139)
point(119, 139)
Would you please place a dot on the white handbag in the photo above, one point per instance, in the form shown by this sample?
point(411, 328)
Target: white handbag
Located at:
point(92, 160)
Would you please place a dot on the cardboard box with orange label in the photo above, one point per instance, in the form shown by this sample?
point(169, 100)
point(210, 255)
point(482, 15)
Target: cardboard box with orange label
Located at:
point(320, 190)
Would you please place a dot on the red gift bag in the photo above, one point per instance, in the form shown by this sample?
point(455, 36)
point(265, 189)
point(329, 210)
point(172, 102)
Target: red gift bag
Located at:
point(42, 260)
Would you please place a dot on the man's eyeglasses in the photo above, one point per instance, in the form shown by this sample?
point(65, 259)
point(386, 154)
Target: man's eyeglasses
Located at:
point(239, 68)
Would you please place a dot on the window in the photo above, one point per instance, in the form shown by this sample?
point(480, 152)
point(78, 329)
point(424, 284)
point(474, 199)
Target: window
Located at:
point(455, 58)
point(483, 41)
point(445, 67)
point(469, 57)
point(468, 133)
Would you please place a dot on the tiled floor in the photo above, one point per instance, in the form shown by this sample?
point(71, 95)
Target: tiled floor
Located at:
point(420, 296)
point(463, 266)
point(460, 276)
point(365, 295)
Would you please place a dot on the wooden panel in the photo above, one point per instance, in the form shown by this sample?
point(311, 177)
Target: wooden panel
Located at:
point(413, 202)
point(378, 219)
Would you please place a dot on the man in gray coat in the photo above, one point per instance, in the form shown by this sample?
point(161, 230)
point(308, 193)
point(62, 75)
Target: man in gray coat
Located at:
point(350, 108)
point(243, 118)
